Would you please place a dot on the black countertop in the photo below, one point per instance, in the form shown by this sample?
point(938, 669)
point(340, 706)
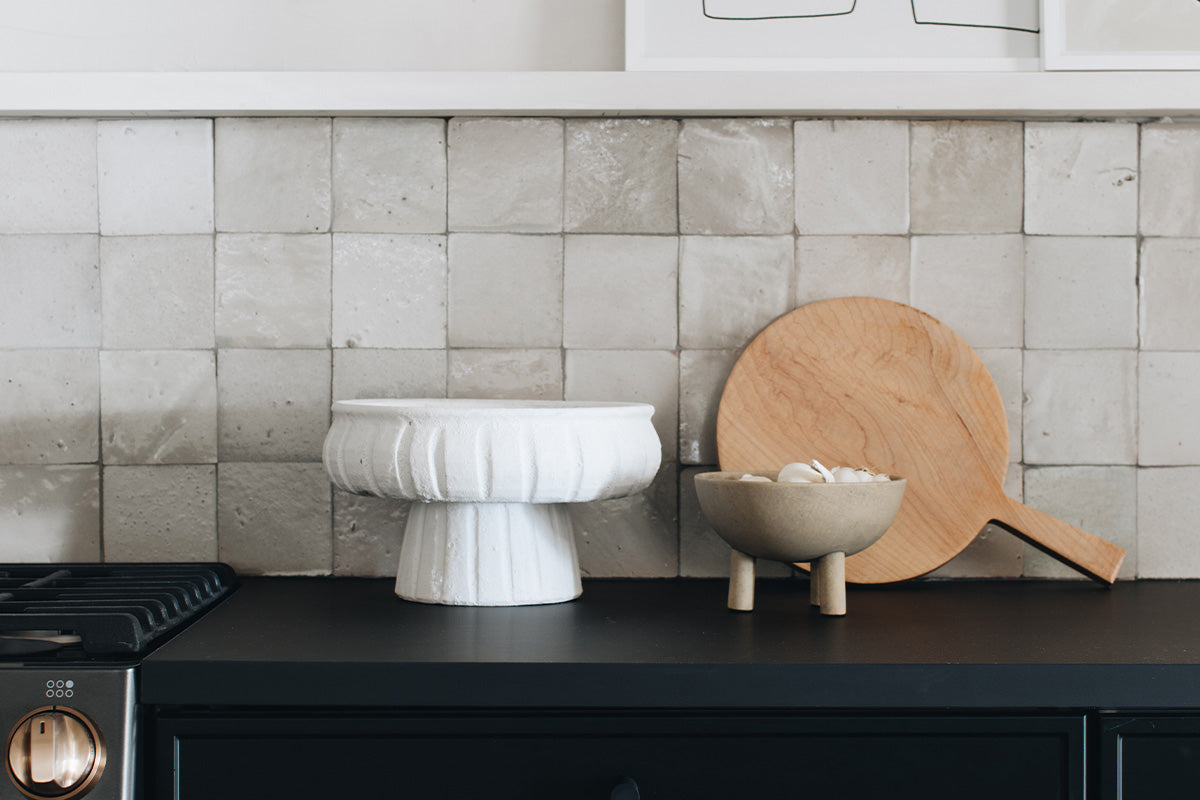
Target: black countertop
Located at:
point(673, 644)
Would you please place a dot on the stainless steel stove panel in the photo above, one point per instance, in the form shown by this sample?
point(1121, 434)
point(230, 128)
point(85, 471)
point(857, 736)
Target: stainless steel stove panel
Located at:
point(104, 696)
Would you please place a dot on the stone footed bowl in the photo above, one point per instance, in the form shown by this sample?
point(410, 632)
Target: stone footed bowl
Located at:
point(795, 522)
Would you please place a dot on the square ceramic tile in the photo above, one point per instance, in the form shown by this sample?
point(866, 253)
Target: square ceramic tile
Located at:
point(160, 513)
point(273, 290)
point(1004, 365)
point(51, 294)
point(994, 552)
point(974, 284)
point(49, 407)
point(48, 174)
point(506, 290)
point(1169, 395)
point(1081, 407)
point(505, 374)
point(630, 537)
point(156, 176)
point(389, 175)
point(702, 376)
point(50, 513)
point(273, 405)
point(273, 175)
point(157, 291)
point(1170, 294)
point(702, 552)
point(274, 519)
point(366, 373)
point(966, 176)
point(506, 174)
point(1081, 178)
point(621, 176)
point(1080, 292)
point(735, 176)
point(367, 535)
point(630, 376)
point(158, 407)
point(620, 291)
point(1166, 523)
point(730, 288)
point(1099, 500)
point(1170, 206)
point(389, 291)
point(851, 266)
point(851, 176)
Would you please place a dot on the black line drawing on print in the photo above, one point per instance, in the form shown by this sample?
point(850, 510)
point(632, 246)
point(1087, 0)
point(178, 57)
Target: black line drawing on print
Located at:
point(1021, 16)
point(775, 9)
point(1006, 15)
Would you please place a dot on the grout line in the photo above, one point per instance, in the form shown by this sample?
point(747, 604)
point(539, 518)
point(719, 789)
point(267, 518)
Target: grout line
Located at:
point(449, 265)
point(99, 375)
point(562, 283)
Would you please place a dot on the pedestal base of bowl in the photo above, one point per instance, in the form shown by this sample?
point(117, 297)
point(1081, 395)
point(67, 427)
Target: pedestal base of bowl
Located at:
point(489, 554)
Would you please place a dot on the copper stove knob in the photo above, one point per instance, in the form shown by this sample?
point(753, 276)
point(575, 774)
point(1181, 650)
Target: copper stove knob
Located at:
point(55, 752)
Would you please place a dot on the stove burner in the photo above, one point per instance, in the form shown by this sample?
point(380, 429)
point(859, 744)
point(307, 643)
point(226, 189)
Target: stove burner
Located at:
point(24, 643)
point(101, 609)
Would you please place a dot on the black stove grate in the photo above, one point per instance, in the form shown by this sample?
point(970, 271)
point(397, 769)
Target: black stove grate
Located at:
point(104, 609)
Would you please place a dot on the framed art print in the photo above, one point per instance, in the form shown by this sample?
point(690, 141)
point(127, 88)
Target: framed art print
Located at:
point(866, 35)
point(1120, 34)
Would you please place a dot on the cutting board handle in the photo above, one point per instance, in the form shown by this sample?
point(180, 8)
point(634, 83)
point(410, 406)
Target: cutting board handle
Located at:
point(1078, 549)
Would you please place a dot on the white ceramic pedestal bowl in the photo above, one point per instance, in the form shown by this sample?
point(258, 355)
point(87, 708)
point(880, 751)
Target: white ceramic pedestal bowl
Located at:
point(820, 523)
point(490, 479)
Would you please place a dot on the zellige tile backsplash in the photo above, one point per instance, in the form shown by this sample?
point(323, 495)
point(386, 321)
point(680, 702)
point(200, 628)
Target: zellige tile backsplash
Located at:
point(184, 298)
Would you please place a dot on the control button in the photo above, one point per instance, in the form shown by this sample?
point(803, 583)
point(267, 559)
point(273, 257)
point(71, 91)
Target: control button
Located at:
point(55, 752)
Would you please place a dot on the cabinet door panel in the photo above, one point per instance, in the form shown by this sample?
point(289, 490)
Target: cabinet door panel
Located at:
point(670, 759)
point(1150, 757)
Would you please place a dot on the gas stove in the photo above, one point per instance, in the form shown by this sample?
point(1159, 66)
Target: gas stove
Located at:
point(71, 639)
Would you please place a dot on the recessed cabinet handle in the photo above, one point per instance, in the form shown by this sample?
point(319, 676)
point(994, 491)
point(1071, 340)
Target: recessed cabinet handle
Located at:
point(627, 789)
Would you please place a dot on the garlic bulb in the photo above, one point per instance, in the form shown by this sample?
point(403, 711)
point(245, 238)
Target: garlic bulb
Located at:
point(845, 475)
point(799, 473)
point(826, 474)
point(816, 472)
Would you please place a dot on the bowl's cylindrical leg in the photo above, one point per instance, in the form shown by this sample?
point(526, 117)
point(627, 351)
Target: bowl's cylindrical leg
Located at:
point(831, 583)
point(741, 581)
point(814, 584)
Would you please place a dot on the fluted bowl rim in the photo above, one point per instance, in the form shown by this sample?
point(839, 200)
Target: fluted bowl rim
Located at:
point(471, 407)
point(492, 450)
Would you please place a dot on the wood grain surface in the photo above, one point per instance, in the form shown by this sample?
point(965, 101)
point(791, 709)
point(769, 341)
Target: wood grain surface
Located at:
point(862, 382)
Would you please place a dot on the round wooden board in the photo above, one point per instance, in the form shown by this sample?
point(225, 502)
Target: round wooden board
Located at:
point(862, 382)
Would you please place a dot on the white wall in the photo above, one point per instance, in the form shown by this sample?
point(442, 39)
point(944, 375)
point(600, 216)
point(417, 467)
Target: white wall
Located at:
point(317, 35)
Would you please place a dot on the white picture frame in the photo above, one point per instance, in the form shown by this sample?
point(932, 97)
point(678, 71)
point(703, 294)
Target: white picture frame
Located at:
point(847, 35)
point(1120, 35)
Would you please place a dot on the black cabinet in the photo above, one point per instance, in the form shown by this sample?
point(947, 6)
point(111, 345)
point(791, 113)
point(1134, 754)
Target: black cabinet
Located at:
point(1149, 757)
point(310, 688)
point(669, 756)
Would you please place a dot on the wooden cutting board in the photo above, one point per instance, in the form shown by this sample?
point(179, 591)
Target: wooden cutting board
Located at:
point(861, 382)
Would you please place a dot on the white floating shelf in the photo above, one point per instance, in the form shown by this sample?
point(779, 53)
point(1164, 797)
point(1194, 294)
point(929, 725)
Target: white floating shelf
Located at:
point(841, 94)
